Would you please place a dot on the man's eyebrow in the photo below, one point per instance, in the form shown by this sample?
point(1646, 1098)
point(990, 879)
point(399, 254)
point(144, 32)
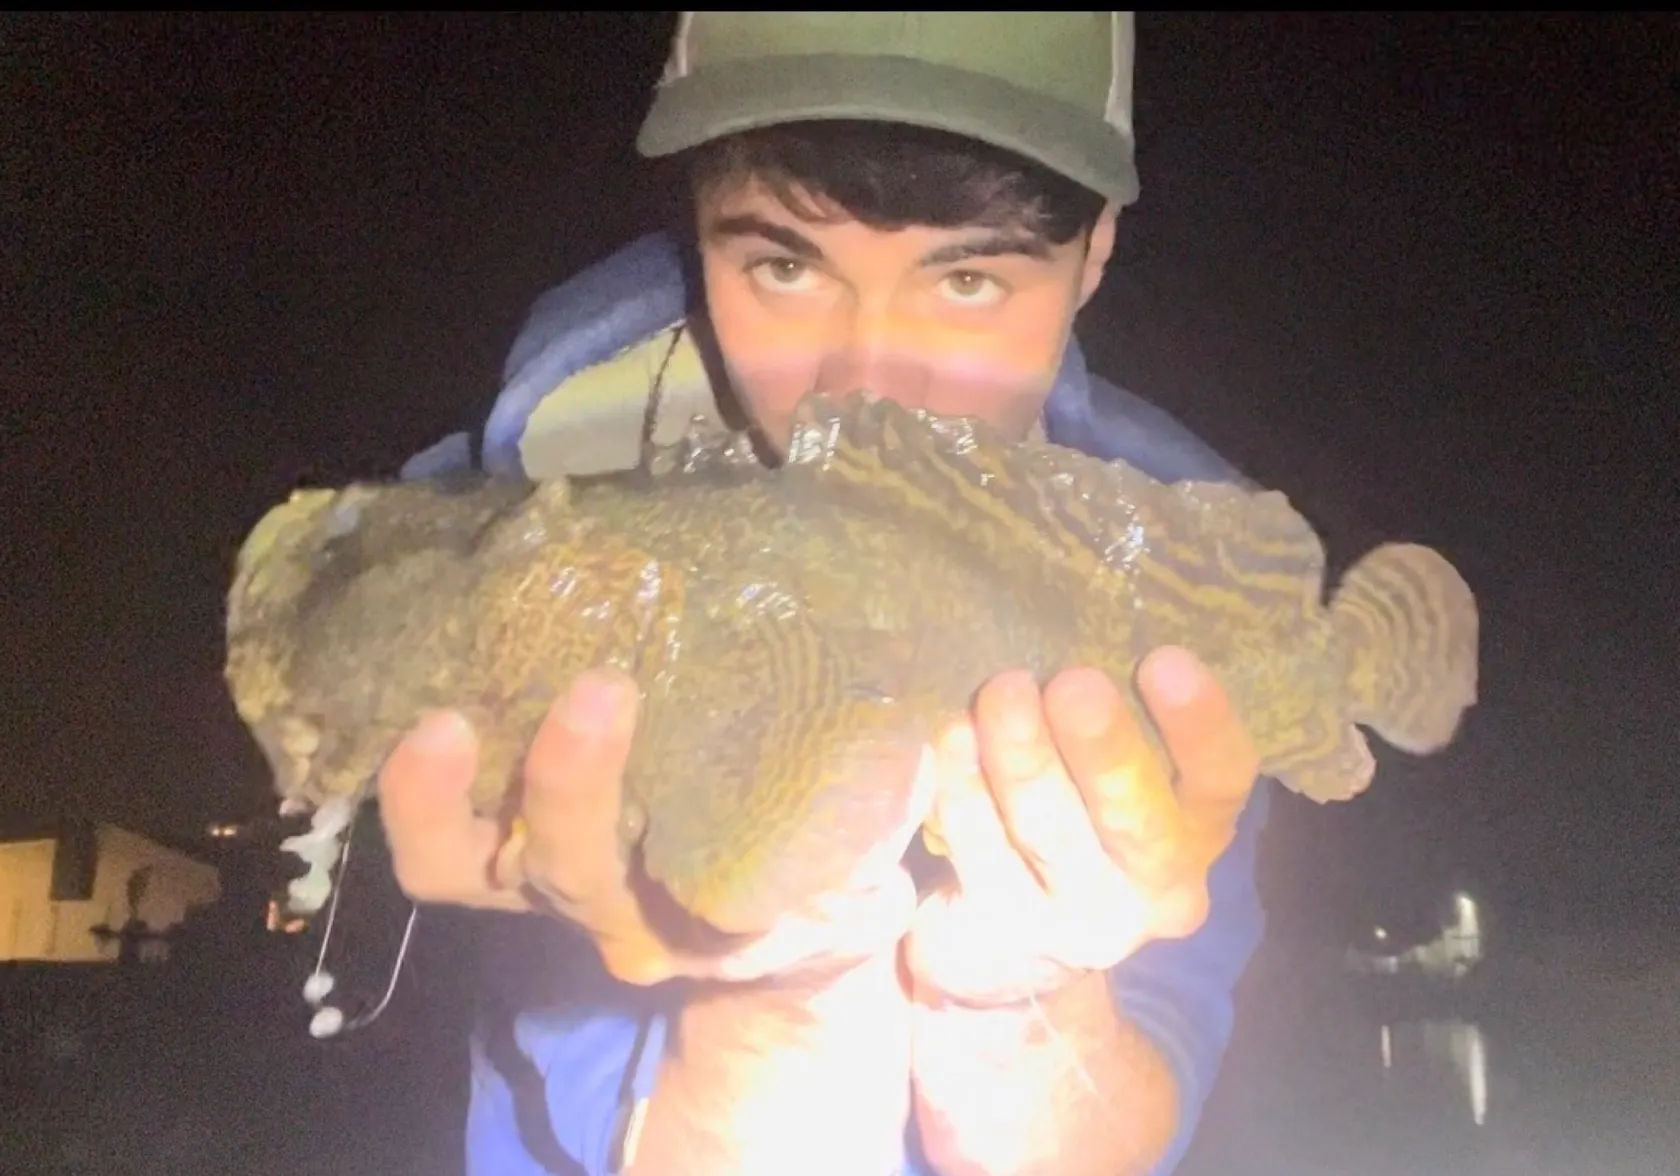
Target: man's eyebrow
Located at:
point(1001, 245)
point(748, 225)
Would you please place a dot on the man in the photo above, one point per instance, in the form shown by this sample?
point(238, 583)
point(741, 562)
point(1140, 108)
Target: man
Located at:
point(917, 205)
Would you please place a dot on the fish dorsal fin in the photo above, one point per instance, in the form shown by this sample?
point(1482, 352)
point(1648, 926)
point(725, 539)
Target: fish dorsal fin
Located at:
point(705, 450)
point(961, 477)
point(1254, 539)
point(1033, 498)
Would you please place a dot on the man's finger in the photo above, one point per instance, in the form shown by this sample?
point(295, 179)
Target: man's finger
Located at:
point(969, 825)
point(838, 928)
point(440, 850)
point(1041, 807)
point(1126, 786)
point(1210, 749)
point(573, 789)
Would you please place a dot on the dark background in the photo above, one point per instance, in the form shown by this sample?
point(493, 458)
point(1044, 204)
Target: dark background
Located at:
point(1418, 272)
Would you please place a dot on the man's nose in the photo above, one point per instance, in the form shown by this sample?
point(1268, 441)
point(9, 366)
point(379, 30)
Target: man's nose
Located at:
point(870, 349)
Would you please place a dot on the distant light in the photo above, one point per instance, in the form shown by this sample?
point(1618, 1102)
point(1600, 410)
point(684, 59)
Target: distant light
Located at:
point(223, 831)
point(1476, 1067)
point(1469, 917)
point(1382, 934)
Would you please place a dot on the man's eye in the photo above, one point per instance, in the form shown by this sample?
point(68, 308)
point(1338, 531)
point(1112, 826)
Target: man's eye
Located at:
point(971, 288)
point(783, 275)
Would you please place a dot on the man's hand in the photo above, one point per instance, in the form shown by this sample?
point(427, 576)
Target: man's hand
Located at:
point(1074, 843)
point(807, 1074)
point(568, 849)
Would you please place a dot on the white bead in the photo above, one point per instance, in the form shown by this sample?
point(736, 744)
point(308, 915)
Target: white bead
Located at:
point(316, 988)
point(326, 1023)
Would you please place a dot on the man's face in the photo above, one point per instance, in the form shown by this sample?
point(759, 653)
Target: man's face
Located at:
point(965, 321)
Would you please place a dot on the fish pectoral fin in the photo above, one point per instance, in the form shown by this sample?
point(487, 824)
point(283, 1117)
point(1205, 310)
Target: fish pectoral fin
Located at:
point(1339, 770)
point(830, 797)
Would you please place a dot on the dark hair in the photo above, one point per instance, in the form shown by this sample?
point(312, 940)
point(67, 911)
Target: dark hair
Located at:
point(891, 176)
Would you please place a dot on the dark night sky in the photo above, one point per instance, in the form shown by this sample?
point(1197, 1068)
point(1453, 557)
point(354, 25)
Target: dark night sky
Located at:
point(1420, 273)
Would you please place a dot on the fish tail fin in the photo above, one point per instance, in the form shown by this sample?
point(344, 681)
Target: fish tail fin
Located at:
point(1408, 624)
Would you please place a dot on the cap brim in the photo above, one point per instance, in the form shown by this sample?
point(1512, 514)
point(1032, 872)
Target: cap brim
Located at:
point(746, 95)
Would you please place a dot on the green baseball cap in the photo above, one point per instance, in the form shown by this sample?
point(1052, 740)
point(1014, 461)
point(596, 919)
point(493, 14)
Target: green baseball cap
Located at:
point(1055, 87)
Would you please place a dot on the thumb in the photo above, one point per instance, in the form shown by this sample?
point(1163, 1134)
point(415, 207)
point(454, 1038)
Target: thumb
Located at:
point(958, 953)
point(437, 845)
point(1215, 760)
point(431, 768)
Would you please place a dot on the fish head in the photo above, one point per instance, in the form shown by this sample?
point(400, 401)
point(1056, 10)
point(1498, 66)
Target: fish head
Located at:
point(276, 562)
point(275, 568)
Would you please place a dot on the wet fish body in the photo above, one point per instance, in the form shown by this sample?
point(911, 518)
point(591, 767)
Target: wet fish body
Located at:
point(799, 633)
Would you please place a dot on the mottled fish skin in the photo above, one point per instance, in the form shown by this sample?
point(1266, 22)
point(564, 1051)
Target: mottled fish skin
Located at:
point(800, 633)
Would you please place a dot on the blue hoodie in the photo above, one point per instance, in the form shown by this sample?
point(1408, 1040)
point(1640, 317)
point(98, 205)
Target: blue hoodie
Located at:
point(562, 1049)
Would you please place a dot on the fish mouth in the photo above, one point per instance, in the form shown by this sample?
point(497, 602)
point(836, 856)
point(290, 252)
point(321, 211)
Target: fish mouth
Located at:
point(289, 744)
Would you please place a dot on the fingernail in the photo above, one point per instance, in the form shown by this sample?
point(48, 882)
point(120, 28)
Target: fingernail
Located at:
point(596, 705)
point(1022, 714)
point(440, 730)
point(1175, 676)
